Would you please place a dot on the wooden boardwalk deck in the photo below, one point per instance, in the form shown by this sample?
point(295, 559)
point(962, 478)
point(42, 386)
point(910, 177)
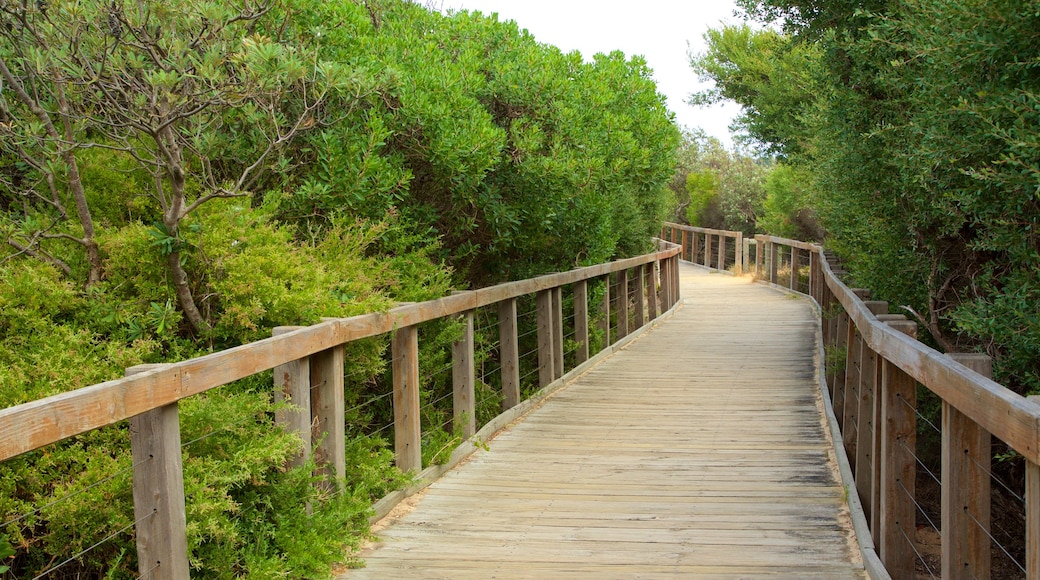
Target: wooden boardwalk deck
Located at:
point(697, 451)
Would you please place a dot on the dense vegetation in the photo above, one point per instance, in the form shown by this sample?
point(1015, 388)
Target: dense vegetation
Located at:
point(179, 177)
point(910, 129)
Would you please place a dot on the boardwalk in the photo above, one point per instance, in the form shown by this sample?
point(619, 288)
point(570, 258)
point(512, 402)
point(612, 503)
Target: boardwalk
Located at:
point(697, 451)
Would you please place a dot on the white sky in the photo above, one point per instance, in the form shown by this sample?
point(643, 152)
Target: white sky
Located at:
point(659, 30)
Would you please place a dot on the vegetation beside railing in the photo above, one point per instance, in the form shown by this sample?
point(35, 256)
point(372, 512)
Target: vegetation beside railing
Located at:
point(310, 367)
point(876, 374)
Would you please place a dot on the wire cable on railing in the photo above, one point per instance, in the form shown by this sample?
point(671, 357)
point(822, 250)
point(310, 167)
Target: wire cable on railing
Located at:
point(529, 374)
point(994, 540)
point(368, 402)
point(921, 416)
point(381, 429)
point(97, 483)
point(434, 402)
point(150, 570)
point(920, 557)
point(223, 429)
point(921, 463)
point(994, 477)
point(920, 508)
point(50, 570)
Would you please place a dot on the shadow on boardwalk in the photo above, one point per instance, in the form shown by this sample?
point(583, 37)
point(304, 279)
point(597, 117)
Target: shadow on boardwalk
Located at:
point(696, 451)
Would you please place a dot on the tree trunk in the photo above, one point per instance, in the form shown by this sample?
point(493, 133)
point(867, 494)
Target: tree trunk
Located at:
point(184, 296)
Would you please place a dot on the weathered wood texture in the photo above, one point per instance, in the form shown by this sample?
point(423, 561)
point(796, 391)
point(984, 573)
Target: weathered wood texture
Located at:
point(696, 451)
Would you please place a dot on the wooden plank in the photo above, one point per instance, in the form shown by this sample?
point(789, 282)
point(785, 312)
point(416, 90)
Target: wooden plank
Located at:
point(463, 380)
point(740, 253)
point(679, 450)
point(292, 385)
point(1032, 520)
point(581, 320)
point(407, 428)
point(38, 423)
point(695, 248)
point(685, 245)
point(898, 466)
point(966, 452)
point(158, 490)
point(546, 349)
point(850, 424)
point(509, 352)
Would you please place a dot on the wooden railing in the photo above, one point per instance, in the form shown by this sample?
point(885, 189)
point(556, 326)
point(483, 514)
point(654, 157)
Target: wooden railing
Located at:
point(647, 287)
point(720, 249)
point(874, 367)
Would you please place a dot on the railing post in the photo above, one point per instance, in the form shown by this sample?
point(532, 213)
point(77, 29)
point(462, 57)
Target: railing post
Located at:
point(327, 410)
point(695, 246)
point(581, 320)
point(557, 295)
point(796, 257)
point(898, 466)
point(773, 255)
point(651, 287)
point(463, 379)
point(292, 384)
point(622, 305)
point(758, 258)
point(851, 423)
point(841, 338)
point(676, 295)
point(685, 241)
point(546, 350)
point(604, 319)
point(158, 490)
point(666, 284)
point(722, 252)
point(966, 451)
point(866, 435)
point(509, 352)
point(1032, 496)
point(407, 429)
point(640, 297)
point(740, 253)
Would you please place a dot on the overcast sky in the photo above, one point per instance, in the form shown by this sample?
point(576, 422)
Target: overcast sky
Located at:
point(660, 30)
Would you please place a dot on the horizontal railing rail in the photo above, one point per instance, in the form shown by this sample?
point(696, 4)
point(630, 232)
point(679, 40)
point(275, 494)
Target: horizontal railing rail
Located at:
point(873, 366)
point(719, 249)
point(309, 372)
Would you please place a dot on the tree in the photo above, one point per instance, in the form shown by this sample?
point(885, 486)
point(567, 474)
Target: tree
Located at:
point(164, 83)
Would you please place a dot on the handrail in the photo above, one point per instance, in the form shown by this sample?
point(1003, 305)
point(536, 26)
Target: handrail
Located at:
point(647, 287)
point(714, 246)
point(873, 398)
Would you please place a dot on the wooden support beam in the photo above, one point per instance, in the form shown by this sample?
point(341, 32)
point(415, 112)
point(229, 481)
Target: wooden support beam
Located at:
point(707, 250)
point(966, 452)
point(407, 429)
point(837, 380)
point(327, 409)
point(773, 261)
point(695, 248)
point(292, 386)
point(640, 298)
point(740, 253)
point(604, 318)
point(1032, 496)
point(463, 379)
point(509, 352)
point(651, 288)
point(868, 441)
point(850, 430)
point(623, 327)
point(685, 245)
point(546, 350)
point(722, 252)
point(557, 323)
point(158, 490)
point(581, 320)
point(796, 258)
point(759, 253)
point(898, 466)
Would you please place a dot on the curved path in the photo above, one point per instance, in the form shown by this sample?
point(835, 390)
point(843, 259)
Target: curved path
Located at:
point(699, 450)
